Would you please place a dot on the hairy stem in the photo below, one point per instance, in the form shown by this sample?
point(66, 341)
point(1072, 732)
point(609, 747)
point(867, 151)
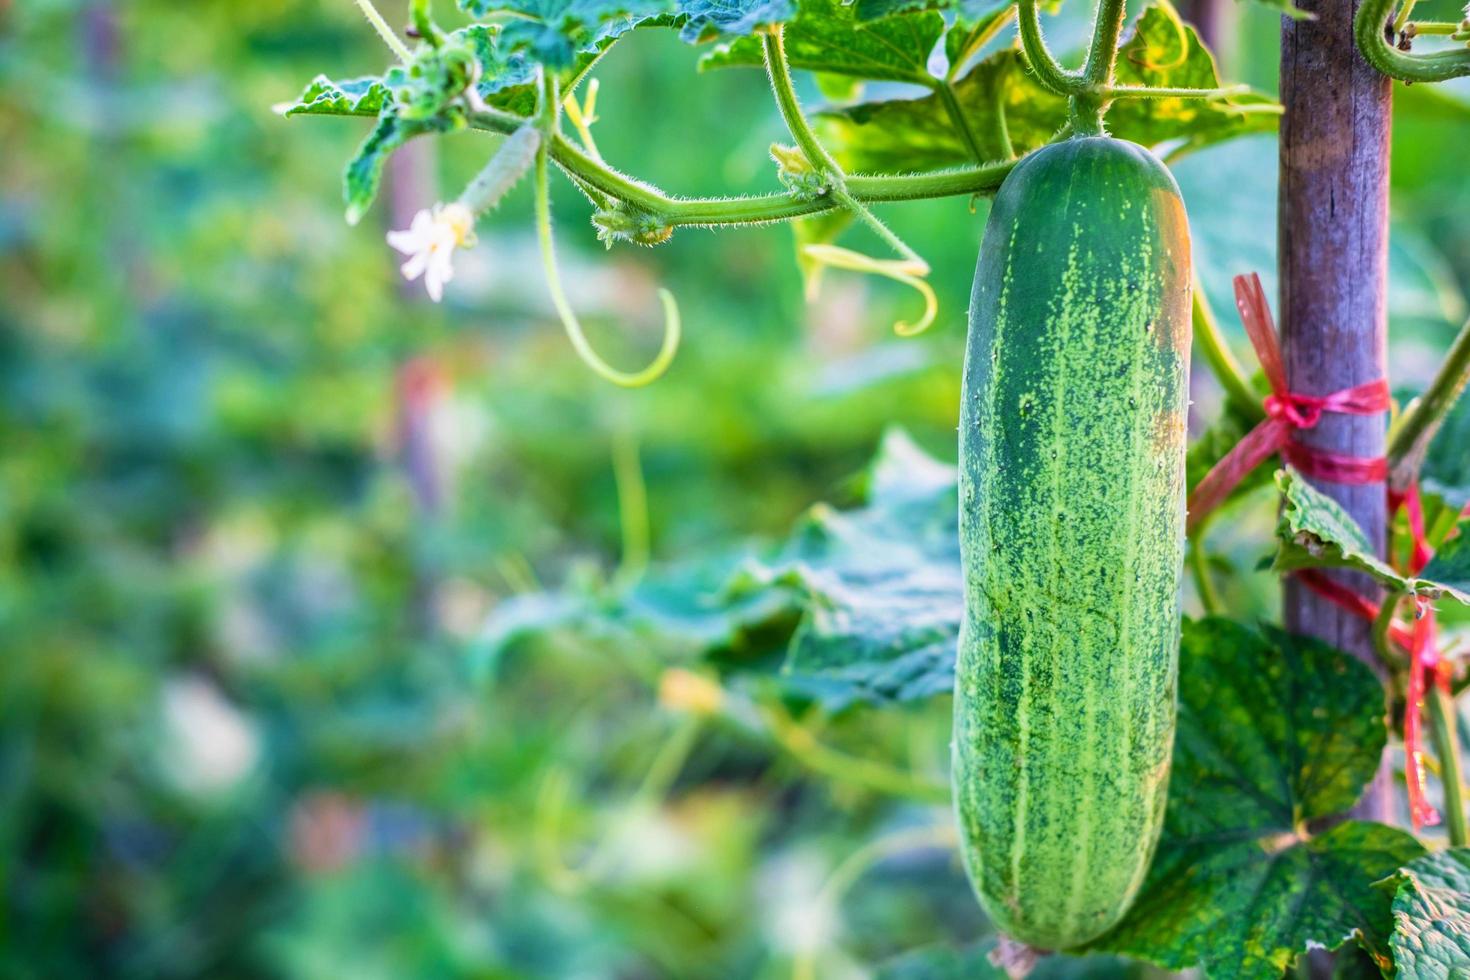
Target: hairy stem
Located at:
point(1370, 30)
point(399, 49)
point(1048, 71)
point(780, 74)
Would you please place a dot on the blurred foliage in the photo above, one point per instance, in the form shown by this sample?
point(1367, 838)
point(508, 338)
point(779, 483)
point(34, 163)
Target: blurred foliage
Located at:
point(256, 501)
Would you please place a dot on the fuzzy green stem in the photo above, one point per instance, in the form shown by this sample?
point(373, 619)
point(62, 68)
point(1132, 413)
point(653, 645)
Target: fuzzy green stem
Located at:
point(1421, 420)
point(1090, 102)
point(1049, 72)
point(399, 49)
point(1370, 26)
point(1447, 751)
point(779, 70)
point(1223, 365)
point(1146, 92)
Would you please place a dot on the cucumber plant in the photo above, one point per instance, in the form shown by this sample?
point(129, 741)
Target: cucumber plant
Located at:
point(1055, 621)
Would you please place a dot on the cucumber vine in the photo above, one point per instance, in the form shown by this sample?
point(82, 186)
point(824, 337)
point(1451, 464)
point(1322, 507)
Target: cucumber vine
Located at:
point(456, 80)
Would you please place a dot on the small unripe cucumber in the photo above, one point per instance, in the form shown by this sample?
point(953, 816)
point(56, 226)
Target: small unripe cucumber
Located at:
point(1072, 442)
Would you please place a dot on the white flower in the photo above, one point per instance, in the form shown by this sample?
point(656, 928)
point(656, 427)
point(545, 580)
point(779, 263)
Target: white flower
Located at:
point(430, 242)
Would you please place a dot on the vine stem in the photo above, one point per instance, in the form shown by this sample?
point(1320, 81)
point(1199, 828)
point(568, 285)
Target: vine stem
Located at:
point(751, 209)
point(399, 49)
point(1047, 69)
point(665, 356)
point(1447, 750)
point(1418, 423)
point(1222, 362)
point(779, 71)
point(1370, 30)
point(1090, 102)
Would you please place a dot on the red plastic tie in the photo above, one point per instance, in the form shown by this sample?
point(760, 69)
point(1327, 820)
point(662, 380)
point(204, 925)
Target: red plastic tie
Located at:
point(1286, 412)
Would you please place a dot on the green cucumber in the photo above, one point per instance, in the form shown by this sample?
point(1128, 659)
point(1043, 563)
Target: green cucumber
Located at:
point(1072, 441)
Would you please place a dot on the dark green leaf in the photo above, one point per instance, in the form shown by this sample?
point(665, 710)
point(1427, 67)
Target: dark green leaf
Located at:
point(555, 31)
point(1315, 532)
point(826, 36)
point(1431, 917)
point(706, 20)
point(1446, 469)
point(1275, 732)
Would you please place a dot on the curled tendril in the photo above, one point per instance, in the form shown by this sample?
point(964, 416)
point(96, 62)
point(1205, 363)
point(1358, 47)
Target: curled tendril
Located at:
point(910, 272)
point(1371, 27)
point(672, 328)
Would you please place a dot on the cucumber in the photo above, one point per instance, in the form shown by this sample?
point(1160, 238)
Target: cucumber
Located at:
point(1072, 441)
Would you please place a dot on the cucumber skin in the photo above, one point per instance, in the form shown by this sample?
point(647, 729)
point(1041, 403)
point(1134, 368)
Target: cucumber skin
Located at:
point(1072, 440)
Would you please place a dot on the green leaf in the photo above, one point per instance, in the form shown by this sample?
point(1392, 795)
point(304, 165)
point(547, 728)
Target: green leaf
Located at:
point(1315, 532)
point(365, 169)
point(826, 36)
point(553, 32)
point(976, 24)
point(1275, 732)
point(1164, 52)
point(1449, 569)
point(899, 135)
point(706, 20)
point(1431, 917)
point(880, 586)
point(1446, 469)
point(352, 97)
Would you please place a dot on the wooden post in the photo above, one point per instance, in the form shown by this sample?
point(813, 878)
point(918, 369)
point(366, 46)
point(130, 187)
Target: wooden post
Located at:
point(1333, 243)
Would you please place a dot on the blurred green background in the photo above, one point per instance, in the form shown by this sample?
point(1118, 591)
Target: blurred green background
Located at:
point(257, 498)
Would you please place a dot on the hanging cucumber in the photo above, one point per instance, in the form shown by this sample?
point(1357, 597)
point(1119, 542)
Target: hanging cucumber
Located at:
point(1072, 442)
